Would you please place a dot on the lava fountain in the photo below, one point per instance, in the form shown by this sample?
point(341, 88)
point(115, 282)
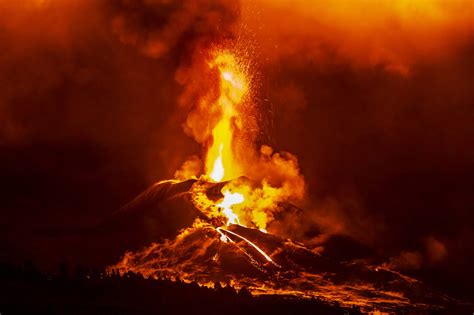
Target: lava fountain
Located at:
point(233, 85)
point(220, 161)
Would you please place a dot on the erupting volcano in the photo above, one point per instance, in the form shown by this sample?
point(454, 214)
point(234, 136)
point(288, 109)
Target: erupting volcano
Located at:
point(237, 157)
point(235, 210)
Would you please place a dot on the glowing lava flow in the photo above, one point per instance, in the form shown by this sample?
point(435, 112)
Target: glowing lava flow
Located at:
point(268, 258)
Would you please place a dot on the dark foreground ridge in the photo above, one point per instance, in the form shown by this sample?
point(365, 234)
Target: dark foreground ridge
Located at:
point(25, 290)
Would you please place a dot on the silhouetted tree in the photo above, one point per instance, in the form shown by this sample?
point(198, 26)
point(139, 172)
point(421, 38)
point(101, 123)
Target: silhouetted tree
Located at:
point(63, 270)
point(79, 274)
point(245, 293)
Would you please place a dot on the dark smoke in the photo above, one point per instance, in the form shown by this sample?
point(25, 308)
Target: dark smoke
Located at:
point(159, 28)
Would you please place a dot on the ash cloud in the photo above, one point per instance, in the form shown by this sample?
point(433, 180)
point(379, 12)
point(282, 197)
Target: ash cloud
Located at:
point(159, 28)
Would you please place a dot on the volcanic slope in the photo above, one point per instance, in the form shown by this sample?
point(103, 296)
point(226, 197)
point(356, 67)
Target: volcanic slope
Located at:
point(174, 239)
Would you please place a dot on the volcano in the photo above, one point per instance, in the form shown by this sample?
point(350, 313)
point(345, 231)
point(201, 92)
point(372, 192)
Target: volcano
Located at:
point(231, 218)
point(174, 239)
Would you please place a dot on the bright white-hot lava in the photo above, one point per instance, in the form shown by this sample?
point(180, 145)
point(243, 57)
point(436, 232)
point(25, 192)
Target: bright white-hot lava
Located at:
point(226, 204)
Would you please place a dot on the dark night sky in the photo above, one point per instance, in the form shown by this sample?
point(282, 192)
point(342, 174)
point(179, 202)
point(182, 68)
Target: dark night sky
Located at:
point(88, 119)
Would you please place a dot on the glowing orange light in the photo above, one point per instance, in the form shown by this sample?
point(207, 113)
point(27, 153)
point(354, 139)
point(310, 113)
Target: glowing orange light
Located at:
point(229, 200)
point(218, 168)
point(220, 162)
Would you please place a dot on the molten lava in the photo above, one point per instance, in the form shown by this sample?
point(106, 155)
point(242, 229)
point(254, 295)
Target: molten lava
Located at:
point(233, 85)
point(226, 204)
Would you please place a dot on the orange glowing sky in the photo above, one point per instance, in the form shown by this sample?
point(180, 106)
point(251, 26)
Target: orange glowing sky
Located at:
point(396, 33)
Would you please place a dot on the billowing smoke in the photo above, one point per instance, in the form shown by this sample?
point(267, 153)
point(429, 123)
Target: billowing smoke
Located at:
point(432, 253)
